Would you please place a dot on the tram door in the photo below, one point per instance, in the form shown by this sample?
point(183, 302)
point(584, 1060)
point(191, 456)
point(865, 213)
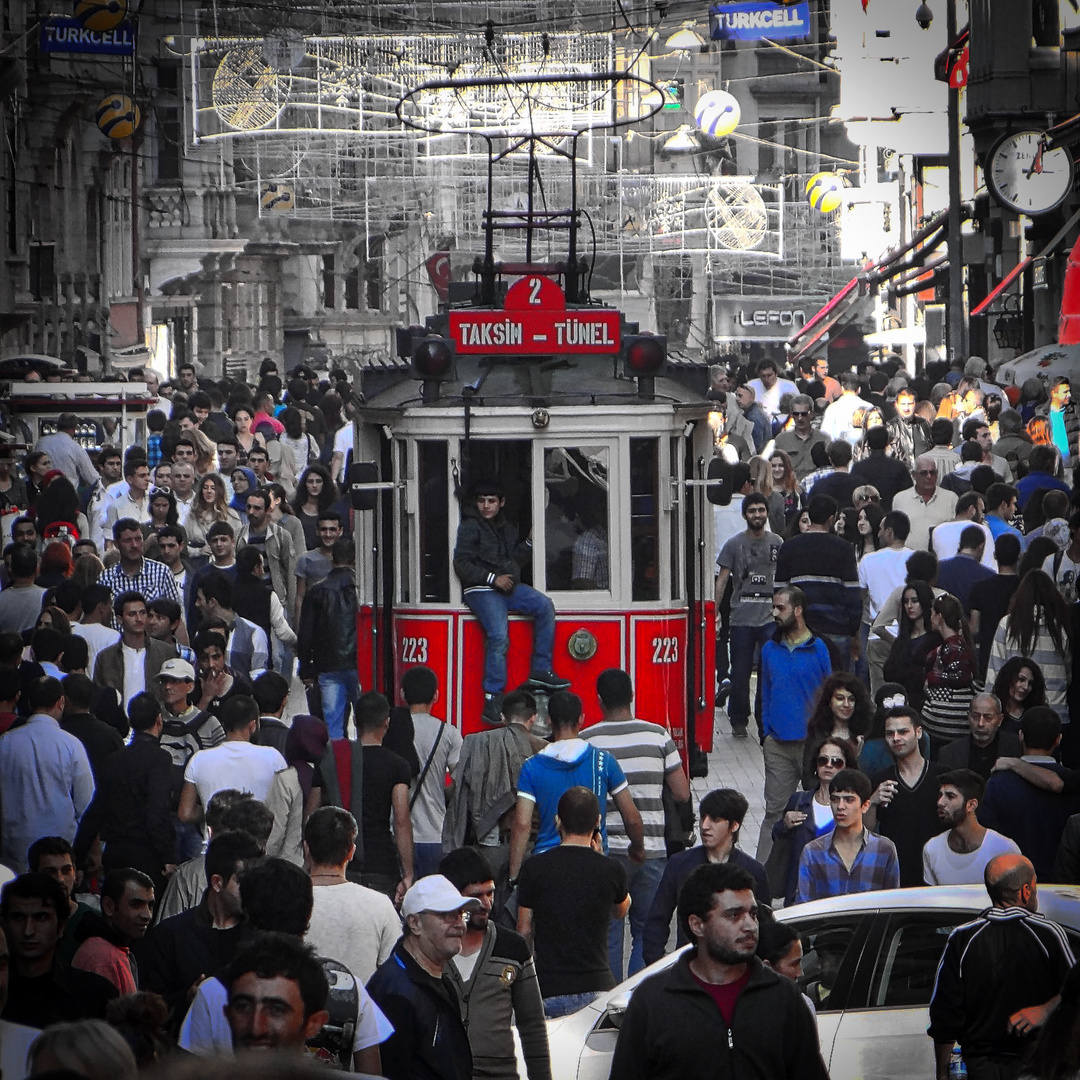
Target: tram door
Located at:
point(606, 515)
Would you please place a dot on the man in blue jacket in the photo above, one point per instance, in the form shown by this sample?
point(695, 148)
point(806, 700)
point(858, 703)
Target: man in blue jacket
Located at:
point(793, 665)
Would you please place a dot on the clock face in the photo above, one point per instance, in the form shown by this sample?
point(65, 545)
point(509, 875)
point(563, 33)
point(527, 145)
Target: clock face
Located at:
point(1027, 178)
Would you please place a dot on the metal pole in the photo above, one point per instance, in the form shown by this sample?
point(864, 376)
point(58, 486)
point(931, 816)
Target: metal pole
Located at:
point(956, 325)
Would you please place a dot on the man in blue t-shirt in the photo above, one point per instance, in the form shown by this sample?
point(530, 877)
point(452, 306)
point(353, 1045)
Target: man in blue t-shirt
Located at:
point(568, 761)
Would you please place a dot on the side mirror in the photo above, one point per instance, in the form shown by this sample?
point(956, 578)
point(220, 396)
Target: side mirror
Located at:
point(720, 471)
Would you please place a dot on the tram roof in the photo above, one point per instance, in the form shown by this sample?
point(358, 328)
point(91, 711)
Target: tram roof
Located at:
point(589, 382)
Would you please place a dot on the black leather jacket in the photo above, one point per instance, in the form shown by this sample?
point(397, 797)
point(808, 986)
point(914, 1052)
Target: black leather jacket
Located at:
point(327, 631)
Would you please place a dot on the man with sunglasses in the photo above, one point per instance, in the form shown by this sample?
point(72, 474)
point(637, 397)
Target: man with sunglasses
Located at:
point(800, 439)
point(926, 504)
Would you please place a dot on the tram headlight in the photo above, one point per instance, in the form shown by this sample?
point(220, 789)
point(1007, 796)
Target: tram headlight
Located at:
point(643, 357)
point(644, 354)
point(433, 359)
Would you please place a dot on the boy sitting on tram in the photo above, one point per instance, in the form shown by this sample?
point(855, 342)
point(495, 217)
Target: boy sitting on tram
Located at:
point(487, 559)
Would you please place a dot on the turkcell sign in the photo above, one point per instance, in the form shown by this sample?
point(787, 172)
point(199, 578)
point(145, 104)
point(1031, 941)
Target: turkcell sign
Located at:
point(64, 35)
point(537, 333)
point(751, 22)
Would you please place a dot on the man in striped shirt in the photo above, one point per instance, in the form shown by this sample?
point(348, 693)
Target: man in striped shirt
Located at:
point(649, 759)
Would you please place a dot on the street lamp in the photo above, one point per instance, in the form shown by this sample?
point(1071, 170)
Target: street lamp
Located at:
point(956, 328)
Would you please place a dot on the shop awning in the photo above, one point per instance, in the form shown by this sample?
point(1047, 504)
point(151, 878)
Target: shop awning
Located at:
point(899, 271)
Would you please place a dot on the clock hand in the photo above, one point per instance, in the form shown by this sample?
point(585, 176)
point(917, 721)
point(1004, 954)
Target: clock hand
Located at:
point(1037, 163)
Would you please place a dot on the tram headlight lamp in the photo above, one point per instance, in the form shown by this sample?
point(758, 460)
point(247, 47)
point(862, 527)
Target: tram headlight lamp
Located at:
point(643, 357)
point(644, 354)
point(433, 358)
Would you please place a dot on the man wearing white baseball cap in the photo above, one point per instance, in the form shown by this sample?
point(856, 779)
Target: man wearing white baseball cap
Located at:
point(415, 994)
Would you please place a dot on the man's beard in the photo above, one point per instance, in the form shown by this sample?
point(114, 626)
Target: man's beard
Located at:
point(724, 954)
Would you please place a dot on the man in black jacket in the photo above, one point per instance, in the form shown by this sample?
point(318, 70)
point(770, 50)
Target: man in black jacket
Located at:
point(999, 977)
point(910, 434)
point(132, 806)
point(718, 1012)
point(415, 992)
point(487, 559)
point(328, 638)
point(986, 743)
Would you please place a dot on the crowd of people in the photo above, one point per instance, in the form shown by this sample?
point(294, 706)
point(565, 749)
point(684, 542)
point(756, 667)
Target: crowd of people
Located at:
point(191, 869)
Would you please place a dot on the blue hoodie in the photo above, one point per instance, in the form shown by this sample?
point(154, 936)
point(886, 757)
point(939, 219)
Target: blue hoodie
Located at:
point(560, 766)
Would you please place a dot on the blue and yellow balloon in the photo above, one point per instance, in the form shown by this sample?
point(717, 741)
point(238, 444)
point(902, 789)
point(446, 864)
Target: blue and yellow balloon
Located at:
point(101, 15)
point(717, 113)
point(117, 116)
point(825, 191)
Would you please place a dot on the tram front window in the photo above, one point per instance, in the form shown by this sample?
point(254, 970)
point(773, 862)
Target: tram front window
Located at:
point(576, 518)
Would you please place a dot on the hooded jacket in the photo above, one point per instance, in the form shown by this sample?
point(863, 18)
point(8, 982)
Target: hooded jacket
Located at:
point(564, 764)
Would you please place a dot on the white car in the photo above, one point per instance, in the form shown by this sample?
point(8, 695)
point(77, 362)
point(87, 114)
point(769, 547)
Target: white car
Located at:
point(869, 963)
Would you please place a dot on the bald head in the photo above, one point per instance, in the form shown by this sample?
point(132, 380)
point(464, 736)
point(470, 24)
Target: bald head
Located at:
point(984, 718)
point(1010, 882)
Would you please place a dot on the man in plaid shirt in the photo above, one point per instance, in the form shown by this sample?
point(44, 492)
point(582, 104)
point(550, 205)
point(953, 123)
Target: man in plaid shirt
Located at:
point(133, 572)
point(850, 858)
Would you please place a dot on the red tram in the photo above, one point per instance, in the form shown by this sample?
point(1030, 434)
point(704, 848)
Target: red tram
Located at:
point(602, 448)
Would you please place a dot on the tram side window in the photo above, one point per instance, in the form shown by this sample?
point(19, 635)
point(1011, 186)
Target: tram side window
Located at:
point(433, 519)
point(576, 517)
point(645, 518)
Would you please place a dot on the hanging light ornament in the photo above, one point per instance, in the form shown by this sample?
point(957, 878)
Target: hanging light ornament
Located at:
point(825, 191)
point(717, 113)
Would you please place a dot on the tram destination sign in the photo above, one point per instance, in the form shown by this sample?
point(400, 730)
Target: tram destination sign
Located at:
point(535, 322)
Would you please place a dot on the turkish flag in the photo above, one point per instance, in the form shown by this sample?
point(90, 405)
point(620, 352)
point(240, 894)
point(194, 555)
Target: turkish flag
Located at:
point(438, 268)
point(958, 74)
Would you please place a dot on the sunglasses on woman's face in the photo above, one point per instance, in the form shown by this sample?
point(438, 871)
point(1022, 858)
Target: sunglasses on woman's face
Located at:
point(835, 762)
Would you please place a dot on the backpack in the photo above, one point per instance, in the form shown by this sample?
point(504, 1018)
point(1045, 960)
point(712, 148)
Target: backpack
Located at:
point(181, 740)
point(333, 1044)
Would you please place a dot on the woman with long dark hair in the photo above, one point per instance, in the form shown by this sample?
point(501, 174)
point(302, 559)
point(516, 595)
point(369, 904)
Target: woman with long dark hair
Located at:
point(209, 507)
point(868, 523)
point(1019, 686)
point(58, 506)
point(951, 671)
point(915, 641)
point(37, 465)
point(842, 710)
point(315, 492)
point(1038, 626)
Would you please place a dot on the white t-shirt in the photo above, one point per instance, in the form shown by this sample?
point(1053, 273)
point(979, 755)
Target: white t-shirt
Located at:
point(205, 1031)
point(1067, 577)
point(429, 809)
point(354, 925)
point(946, 538)
point(97, 637)
point(943, 866)
point(769, 400)
point(233, 764)
point(880, 572)
point(343, 443)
